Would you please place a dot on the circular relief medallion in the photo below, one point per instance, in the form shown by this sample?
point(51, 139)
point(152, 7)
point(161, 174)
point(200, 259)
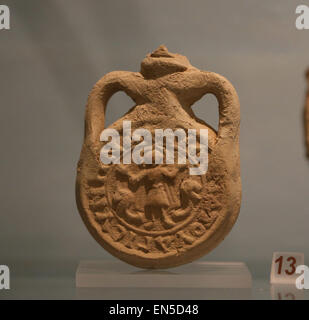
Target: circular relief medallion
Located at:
point(153, 213)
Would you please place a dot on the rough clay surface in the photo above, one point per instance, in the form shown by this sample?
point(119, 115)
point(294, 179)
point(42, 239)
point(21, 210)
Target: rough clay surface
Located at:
point(159, 216)
point(306, 115)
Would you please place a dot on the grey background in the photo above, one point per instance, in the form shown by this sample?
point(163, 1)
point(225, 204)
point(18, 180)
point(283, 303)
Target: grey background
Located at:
point(57, 49)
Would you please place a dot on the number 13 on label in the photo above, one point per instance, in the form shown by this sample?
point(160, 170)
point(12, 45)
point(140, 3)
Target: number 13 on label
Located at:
point(284, 265)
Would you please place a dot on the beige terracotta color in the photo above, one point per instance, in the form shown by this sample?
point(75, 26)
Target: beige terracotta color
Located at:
point(306, 115)
point(159, 216)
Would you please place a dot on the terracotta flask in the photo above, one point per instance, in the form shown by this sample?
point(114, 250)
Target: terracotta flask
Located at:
point(159, 215)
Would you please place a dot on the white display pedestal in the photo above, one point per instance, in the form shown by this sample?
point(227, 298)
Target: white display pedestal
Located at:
point(106, 274)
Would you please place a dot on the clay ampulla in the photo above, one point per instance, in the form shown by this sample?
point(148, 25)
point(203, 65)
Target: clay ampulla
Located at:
point(306, 115)
point(159, 215)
